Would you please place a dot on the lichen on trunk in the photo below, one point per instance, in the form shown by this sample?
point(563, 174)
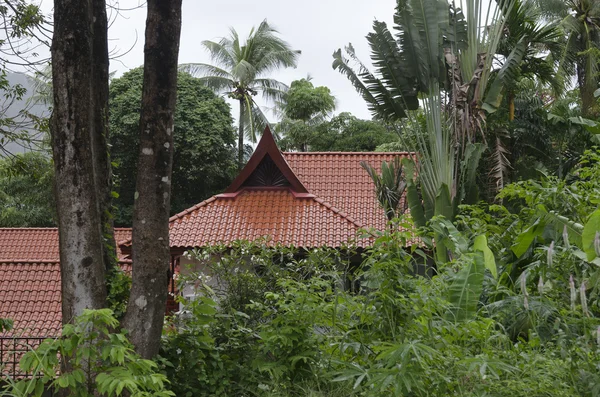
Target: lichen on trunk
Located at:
point(150, 251)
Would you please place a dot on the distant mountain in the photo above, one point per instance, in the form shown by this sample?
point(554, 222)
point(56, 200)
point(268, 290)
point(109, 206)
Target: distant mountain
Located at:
point(12, 108)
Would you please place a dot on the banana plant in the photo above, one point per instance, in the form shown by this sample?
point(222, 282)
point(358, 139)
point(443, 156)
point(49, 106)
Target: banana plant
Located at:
point(466, 285)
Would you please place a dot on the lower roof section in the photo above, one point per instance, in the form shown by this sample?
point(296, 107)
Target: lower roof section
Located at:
point(277, 214)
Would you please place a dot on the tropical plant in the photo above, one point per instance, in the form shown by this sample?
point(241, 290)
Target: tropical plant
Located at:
point(529, 47)
point(204, 158)
point(389, 186)
point(241, 72)
point(435, 47)
point(102, 363)
point(347, 133)
point(580, 20)
point(26, 185)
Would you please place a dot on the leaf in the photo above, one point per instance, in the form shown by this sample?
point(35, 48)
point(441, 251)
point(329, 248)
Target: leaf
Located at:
point(412, 195)
point(489, 261)
point(469, 164)
point(590, 125)
point(591, 228)
point(466, 288)
point(524, 240)
point(506, 74)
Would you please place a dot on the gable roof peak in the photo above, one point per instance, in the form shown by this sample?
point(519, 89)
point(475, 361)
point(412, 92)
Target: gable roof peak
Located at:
point(267, 168)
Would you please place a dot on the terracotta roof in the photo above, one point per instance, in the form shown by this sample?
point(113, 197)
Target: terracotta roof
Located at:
point(30, 296)
point(308, 199)
point(252, 214)
point(38, 244)
point(338, 178)
point(30, 279)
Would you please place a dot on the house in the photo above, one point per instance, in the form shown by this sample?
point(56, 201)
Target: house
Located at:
point(305, 200)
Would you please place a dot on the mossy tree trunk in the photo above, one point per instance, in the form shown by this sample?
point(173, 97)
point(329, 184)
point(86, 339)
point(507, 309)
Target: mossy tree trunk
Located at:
point(79, 131)
point(150, 252)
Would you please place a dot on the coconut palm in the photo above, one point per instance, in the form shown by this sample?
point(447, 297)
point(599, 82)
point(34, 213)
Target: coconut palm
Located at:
point(580, 20)
point(241, 72)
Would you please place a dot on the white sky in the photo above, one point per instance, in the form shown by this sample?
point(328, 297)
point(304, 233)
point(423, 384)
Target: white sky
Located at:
point(316, 27)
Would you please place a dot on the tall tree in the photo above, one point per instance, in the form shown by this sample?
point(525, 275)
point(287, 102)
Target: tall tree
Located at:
point(146, 307)
point(26, 197)
point(305, 107)
point(441, 56)
point(242, 71)
point(204, 157)
point(346, 133)
point(580, 20)
point(79, 131)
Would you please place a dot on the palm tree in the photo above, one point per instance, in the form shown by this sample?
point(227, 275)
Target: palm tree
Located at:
point(580, 20)
point(526, 39)
point(241, 72)
point(389, 186)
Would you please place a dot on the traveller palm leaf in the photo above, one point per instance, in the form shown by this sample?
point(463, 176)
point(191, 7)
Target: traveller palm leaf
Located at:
point(440, 56)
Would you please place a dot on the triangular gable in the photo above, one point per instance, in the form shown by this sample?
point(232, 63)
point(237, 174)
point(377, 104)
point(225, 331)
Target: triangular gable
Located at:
point(267, 168)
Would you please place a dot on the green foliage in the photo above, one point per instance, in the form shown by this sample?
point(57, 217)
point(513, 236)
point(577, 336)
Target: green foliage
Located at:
point(101, 362)
point(389, 186)
point(119, 286)
point(304, 101)
point(204, 156)
point(346, 133)
point(5, 325)
point(26, 191)
point(487, 322)
point(304, 108)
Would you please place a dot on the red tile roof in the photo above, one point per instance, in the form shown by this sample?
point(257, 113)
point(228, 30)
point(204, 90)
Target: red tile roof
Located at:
point(339, 179)
point(30, 296)
point(252, 214)
point(305, 200)
point(18, 244)
point(30, 279)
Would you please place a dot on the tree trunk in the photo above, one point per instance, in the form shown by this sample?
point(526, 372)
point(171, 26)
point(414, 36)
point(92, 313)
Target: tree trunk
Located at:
point(241, 137)
point(78, 127)
point(150, 252)
point(589, 107)
point(511, 106)
point(101, 135)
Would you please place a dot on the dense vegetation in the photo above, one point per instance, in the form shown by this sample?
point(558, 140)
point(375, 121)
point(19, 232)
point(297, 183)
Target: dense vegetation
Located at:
point(504, 220)
point(518, 318)
point(204, 157)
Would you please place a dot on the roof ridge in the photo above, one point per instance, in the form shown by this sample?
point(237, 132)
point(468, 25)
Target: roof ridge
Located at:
point(349, 153)
point(192, 208)
point(267, 147)
point(56, 261)
point(337, 211)
point(177, 216)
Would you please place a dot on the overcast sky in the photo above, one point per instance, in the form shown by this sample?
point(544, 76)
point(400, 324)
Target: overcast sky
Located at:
point(316, 27)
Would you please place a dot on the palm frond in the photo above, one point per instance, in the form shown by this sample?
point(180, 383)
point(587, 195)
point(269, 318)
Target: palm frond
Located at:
point(389, 186)
point(271, 89)
point(499, 166)
point(255, 121)
point(203, 70)
point(218, 84)
point(221, 52)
